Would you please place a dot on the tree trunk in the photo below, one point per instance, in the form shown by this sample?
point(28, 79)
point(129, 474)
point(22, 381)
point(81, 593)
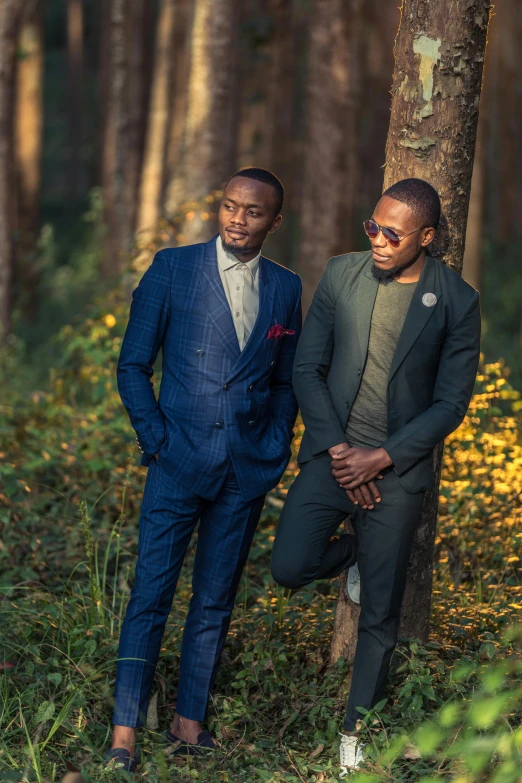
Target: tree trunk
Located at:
point(283, 120)
point(28, 153)
point(209, 144)
point(435, 97)
point(75, 97)
point(153, 172)
point(180, 67)
point(331, 130)
point(475, 234)
point(10, 13)
point(117, 209)
point(139, 35)
point(380, 23)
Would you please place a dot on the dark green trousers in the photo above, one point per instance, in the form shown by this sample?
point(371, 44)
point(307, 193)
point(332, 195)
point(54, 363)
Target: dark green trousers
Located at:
point(306, 549)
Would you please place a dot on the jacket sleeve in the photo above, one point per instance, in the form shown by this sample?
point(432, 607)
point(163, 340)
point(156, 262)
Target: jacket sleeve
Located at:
point(282, 396)
point(451, 397)
point(312, 363)
point(149, 316)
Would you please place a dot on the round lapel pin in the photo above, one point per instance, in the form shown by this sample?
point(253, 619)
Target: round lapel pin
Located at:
point(429, 300)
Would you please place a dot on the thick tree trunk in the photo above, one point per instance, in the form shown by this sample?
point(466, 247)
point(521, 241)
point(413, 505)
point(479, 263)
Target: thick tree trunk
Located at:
point(10, 13)
point(153, 171)
point(328, 187)
point(209, 144)
point(75, 97)
point(28, 143)
point(436, 89)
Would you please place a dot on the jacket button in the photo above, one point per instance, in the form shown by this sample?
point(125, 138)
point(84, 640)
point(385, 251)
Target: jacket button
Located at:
point(346, 404)
point(226, 387)
point(200, 353)
point(251, 387)
point(272, 364)
point(218, 425)
point(251, 423)
point(358, 372)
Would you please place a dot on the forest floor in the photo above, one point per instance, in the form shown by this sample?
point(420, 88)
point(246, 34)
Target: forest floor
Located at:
point(70, 491)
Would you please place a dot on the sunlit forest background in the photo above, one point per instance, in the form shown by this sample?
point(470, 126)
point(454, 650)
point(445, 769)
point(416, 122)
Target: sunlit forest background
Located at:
point(109, 94)
point(119, 122)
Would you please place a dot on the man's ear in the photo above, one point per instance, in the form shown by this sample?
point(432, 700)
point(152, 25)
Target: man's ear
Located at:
point(275, 225)
point(428, 236)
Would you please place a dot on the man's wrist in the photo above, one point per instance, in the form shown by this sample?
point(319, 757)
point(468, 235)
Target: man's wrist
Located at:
point(384, 458)
point(335, 450)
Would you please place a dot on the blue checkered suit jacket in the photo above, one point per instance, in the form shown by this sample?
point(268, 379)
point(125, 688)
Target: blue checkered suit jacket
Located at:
point(215, 403)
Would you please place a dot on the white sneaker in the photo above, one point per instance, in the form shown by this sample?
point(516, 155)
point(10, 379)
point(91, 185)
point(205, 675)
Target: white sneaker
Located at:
point(351, 754)
point(353, 584)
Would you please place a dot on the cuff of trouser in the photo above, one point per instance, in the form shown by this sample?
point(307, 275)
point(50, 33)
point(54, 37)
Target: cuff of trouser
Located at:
point(349, 725)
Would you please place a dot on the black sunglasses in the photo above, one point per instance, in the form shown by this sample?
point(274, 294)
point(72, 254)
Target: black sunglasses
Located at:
point(373, 230)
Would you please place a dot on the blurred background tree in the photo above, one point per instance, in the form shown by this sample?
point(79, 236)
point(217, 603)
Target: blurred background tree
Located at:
point(121, 116)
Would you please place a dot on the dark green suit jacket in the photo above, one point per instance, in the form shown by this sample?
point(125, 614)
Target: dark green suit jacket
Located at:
point(432, 374)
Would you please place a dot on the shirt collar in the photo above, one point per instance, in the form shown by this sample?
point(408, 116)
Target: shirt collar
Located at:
point(227, 260)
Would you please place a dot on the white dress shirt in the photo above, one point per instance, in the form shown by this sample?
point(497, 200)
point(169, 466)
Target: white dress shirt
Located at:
point(241, 283)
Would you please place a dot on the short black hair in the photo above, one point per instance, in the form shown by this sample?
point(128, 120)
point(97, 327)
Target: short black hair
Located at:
point(420, 196)
point(263, 175)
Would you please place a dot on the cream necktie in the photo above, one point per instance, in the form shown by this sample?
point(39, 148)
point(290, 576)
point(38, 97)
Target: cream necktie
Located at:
point(250, 302)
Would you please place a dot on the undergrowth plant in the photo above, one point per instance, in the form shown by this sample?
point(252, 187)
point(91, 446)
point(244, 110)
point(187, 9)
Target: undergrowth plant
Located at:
point(70, 493)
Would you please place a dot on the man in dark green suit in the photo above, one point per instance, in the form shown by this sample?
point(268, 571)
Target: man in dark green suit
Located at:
point(384, 371)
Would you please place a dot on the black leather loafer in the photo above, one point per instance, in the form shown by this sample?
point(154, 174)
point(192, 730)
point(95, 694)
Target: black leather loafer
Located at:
point(204, 744)
point(122, 758)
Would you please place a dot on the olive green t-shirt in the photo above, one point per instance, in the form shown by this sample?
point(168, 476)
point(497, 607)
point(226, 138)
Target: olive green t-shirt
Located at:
point(368, 422)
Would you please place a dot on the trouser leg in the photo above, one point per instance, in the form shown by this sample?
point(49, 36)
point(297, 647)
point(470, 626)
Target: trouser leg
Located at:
point(385, 536)
point(225, 534)
point(305, 547)
point(169, 514)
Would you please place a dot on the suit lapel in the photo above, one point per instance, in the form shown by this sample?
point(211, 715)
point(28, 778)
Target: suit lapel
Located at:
point(418, 314)
point(267, 290)
point(216, 301)
point(366, 293)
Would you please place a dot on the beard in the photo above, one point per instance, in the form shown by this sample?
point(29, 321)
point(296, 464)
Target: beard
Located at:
point(232, 248)
point(386, 276)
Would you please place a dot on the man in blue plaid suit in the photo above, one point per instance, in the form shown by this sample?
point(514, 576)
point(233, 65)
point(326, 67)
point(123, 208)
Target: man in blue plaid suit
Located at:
point(215, 442)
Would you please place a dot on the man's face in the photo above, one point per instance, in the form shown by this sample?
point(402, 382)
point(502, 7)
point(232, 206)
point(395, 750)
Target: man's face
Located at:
point(400, 217)
point(246, 215)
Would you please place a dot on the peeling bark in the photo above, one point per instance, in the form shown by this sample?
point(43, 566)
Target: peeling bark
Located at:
point(439, 54)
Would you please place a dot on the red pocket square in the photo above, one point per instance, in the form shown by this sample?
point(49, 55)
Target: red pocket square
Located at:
point(277, 331)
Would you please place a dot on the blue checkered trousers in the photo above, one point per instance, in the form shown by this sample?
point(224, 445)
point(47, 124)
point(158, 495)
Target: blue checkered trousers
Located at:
point(221, 428)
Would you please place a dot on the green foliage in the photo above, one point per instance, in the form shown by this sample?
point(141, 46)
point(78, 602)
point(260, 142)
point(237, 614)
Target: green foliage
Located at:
point(70, 490)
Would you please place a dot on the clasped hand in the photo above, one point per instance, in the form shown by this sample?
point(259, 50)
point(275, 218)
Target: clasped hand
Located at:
point(355, 469)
